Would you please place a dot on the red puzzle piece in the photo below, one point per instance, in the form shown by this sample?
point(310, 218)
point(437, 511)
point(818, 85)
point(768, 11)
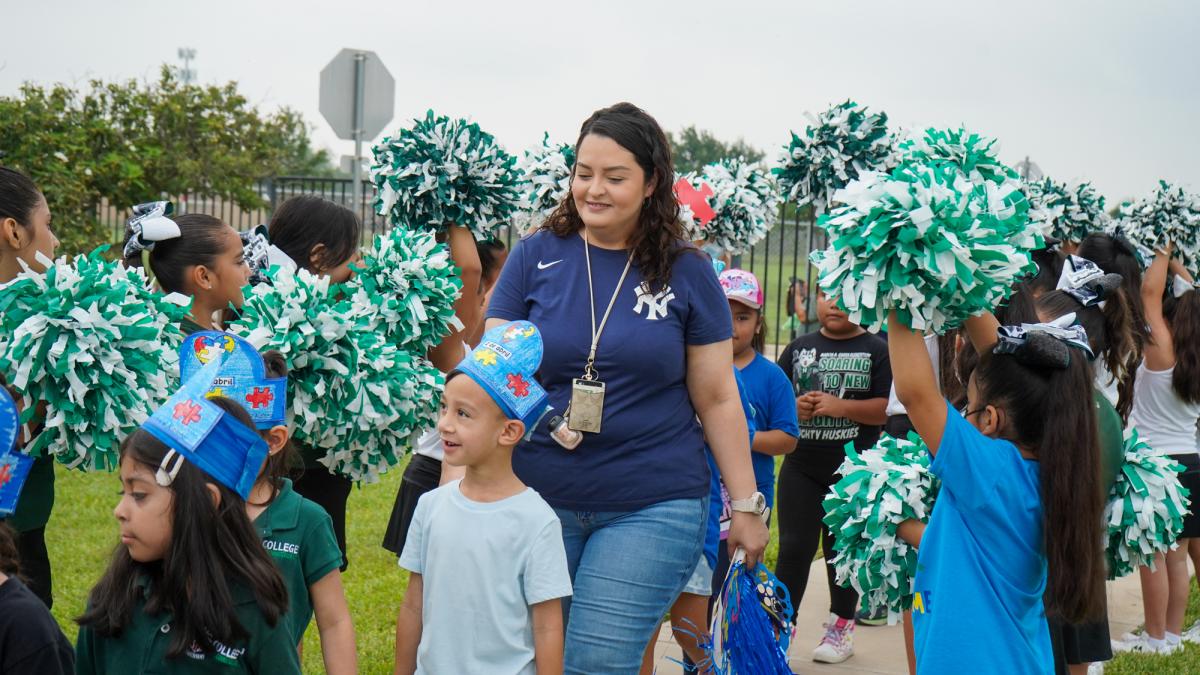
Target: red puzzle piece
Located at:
point(697, 199)
point(187, 412)
point(518, 385)
point(261, 397)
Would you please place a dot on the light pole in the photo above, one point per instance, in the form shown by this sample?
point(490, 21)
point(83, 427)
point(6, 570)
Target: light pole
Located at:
point(186, 74)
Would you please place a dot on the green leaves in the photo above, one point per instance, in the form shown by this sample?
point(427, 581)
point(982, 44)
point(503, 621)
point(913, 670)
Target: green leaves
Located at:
point(1145, 508)
point(444, 172)
point(879, 489)
point(90, 350)
point(131, 142)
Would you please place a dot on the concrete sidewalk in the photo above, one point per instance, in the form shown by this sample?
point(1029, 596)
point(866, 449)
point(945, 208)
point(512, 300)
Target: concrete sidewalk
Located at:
point(880, 650)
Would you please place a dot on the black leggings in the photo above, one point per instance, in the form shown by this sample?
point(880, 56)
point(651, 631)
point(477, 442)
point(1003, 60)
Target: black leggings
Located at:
point(35, 564)
point(420, 476)
point(803, 483)
point(330, 491)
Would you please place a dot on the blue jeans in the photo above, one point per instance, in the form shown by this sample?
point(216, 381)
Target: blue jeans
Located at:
point(627, 568)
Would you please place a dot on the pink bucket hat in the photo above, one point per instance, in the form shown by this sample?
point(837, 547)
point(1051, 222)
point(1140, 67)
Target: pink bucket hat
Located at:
point(743, 287)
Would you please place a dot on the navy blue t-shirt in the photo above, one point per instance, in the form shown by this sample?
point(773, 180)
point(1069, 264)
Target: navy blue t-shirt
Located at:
point(650, 447)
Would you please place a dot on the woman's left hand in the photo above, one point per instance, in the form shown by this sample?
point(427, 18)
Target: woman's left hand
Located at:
point(749, 532)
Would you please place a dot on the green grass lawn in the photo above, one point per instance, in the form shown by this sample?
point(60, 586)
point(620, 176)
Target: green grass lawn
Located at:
point(82, 533)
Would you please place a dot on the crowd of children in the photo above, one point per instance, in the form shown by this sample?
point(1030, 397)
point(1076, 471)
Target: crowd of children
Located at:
point(232, 539)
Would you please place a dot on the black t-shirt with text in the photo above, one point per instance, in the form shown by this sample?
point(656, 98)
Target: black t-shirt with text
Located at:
point(856, 369)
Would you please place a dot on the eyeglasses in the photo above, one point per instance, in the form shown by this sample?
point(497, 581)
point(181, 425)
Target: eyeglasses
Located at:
point(967, 414)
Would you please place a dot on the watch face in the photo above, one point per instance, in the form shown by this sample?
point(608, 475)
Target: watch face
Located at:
point(760, 502)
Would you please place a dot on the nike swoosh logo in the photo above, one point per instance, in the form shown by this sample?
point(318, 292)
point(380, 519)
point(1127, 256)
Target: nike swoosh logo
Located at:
point(542, 265)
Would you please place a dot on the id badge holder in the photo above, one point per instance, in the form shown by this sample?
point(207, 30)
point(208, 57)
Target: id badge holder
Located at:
point(587, 405)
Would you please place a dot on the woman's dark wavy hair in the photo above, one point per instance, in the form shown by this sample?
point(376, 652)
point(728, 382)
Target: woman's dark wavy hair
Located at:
point(658, 239)
point(212, 549)
point(303, 222)
point(1050, 413)
point(1183, 318)
point(1109, 330)
point(278, 465)
point(200, 243)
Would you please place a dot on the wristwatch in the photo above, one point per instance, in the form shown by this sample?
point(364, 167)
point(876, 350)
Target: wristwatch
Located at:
point(755, 503)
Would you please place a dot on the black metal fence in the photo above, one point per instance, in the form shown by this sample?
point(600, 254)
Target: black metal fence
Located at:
point(780, 260)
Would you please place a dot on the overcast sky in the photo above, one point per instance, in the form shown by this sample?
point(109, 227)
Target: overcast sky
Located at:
point(1107, 91)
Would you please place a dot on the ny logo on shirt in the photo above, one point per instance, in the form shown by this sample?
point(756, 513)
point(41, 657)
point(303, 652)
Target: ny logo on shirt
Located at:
point(655, 303)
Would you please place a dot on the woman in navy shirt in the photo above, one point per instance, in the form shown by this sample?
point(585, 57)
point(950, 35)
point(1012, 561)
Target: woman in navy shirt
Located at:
point(632, 497)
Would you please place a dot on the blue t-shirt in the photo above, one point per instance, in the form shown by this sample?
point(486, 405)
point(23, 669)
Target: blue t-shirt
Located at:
point(650, 447)
point(719, 510)
point(981, 567)
point(770, 394)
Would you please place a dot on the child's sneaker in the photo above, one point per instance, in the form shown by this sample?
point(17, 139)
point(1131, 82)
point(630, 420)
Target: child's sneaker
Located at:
point(1144, 644)
point(1192, 634)
point(838, 643)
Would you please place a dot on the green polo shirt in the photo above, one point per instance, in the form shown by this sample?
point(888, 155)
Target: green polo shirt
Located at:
point(188, 326)
point(299, 536)
point(142, 646)
point(1112, 442)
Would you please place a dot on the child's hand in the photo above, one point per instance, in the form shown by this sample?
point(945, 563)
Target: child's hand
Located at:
point(804, 407)
point(826, 405)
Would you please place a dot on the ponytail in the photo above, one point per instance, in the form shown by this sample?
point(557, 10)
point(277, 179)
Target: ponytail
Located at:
point(1109, 329)
point(1050, 412)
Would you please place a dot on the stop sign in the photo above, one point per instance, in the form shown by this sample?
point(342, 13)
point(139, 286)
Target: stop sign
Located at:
point(338, 92)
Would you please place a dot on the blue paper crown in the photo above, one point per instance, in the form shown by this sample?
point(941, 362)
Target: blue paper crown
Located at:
point(218, 444)
point(14, 465)
point(242, 377)
point(504, 364)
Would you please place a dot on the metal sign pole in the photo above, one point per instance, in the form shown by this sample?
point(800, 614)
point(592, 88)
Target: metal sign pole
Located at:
point(360, 61)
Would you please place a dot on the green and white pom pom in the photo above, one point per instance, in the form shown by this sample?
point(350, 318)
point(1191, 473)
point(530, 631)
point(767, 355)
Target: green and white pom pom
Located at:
point(408, 282)
point(444, 172)
point(1169, 215)
point(88, 340)
point(843, 142)
point(925, 241)
point(546, 169)
point(1145, 508)
point(1067, 213)
point(880, 488)
point(351, 393)
point(745, 200)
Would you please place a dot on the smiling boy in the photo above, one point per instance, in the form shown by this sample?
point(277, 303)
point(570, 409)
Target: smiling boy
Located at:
point(485, 553)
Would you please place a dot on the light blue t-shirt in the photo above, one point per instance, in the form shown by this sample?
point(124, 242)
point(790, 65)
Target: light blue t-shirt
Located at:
point(770, 393)
point(483, 565)
point(981, 567)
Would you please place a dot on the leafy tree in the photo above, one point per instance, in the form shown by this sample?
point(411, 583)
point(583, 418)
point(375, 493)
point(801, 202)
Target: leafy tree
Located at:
point(130, 142)
point(693, 148)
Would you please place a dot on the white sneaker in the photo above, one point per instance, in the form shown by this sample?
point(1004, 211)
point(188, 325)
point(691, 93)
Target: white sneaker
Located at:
point(1192, 634)
point(838, 643)
point(1141, 644)
point(1096, 668)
